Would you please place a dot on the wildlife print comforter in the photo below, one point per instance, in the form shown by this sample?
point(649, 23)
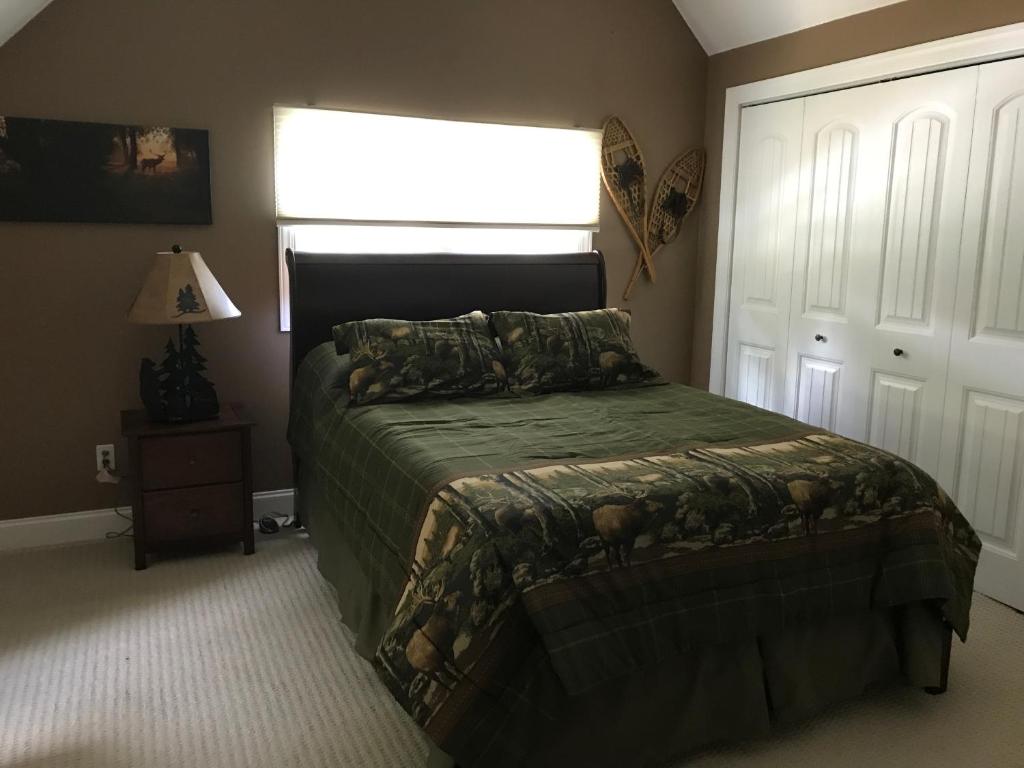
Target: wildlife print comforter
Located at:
point(597, 533)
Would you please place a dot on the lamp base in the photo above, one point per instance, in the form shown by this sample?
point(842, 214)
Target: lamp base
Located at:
point(176, 391)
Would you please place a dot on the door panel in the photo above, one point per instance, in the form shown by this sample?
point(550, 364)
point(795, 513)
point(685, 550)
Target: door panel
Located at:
point(912, 222)
point(831, 201)
point(756, 376)
point(763, 253)
point(818, 391)
point(763, 223)
point(982, 456)
point(895, 413)
point(999, 312)
point(988, 483)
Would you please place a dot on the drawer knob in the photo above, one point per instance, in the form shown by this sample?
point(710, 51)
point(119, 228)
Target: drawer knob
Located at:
point(819, 337)
point(898, 352)
point(192, 461)
point(193, 513)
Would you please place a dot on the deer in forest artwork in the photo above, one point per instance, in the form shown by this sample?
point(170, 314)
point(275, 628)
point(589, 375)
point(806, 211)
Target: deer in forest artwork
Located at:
point(58, 170)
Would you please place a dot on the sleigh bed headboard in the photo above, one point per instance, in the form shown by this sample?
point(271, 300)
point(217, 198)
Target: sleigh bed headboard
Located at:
point(327, 289)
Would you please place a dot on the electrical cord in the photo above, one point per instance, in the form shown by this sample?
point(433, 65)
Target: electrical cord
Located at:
point(129, 530)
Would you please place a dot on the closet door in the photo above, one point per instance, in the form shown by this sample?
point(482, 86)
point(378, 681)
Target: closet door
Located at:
point(983, 448)
point(762, 271)
point(881, 204)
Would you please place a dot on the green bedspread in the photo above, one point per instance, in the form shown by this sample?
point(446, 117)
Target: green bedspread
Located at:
point(609, 530)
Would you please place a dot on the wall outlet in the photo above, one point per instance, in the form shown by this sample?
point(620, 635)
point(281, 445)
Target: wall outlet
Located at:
point(105, 452)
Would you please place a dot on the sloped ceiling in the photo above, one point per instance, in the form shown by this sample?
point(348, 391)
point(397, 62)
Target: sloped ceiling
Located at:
point(721, 25)
point(15, 14)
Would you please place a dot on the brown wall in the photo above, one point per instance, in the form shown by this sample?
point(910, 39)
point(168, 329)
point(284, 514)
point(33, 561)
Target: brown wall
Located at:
point(887, 28)
point(70, 359)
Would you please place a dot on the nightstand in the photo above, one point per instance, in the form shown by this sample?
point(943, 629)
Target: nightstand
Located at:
point(193, 482)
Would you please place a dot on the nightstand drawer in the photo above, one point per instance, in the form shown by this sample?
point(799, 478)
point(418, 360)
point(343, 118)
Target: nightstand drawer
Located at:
point(183, 460)
point(193, 513)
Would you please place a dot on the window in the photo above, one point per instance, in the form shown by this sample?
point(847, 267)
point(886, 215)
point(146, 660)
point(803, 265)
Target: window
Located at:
point(350, 166)
point(363, 183)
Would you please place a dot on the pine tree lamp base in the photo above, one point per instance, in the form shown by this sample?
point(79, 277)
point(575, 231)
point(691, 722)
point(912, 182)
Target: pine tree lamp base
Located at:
point(176, 390)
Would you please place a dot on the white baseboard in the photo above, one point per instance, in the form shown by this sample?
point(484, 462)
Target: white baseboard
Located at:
point(277, 503)
point(50, 530)
point(94, 524)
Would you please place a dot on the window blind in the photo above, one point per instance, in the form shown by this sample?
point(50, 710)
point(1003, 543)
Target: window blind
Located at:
point(335, 166)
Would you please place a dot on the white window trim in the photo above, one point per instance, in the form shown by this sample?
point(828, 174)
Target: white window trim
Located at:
point(964, 50)
point(285, 240)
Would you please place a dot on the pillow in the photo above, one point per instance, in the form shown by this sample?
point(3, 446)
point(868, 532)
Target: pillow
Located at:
point(574, 350)
point(400, 359)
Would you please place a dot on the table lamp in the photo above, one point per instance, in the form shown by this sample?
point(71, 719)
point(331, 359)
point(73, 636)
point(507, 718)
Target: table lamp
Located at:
point(179, 290)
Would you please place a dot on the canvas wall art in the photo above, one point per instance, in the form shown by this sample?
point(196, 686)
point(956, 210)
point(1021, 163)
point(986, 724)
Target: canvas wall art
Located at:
point(57, 170)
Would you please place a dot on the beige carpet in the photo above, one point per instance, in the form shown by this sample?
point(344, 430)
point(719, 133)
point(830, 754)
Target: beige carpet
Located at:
point(221, 660)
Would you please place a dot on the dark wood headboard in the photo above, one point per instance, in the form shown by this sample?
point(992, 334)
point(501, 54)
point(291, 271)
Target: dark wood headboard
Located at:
point(327, 289)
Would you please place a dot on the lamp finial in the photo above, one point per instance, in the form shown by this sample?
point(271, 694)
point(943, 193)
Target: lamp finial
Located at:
point(175, 248)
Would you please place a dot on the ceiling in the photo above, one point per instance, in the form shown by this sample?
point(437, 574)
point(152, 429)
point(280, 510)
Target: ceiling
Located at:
point(15, 14)
point(721, 25)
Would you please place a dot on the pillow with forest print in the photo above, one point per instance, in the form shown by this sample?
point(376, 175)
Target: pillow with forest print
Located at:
point(573, 350)
point(402, 359)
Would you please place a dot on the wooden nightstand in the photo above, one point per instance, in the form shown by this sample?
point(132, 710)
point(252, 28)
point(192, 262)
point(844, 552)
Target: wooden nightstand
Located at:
point(193, 482)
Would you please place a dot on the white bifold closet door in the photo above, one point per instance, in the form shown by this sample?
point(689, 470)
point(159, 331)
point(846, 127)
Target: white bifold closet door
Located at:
point(846, 240)
point(882, 181)
point(983, 441)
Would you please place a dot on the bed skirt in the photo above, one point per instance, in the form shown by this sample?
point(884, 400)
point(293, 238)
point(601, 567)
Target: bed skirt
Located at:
point(715, 694)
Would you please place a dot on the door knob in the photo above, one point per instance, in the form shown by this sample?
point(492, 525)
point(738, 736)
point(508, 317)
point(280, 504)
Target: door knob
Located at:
point(898, 352)
point(819, 337)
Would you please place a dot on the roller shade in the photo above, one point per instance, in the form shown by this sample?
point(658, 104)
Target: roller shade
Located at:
point(334, 166)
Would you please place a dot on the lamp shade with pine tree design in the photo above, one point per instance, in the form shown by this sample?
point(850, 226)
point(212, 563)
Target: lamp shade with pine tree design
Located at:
point(180, 290)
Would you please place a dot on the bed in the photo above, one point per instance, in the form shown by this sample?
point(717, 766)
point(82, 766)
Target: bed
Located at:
point(606, 577)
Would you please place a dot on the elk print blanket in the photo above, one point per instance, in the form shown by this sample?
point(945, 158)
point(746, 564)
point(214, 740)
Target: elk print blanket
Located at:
point(595, 533)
